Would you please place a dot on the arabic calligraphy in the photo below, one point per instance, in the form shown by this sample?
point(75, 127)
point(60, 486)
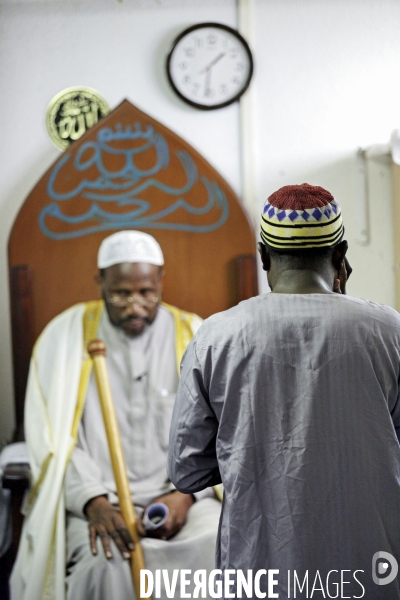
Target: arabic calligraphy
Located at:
point(111, 171)
point(77, 115)
point(72, 112)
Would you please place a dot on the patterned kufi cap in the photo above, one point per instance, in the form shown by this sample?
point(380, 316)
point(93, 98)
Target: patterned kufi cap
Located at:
point(301, 216)
point(129, 246)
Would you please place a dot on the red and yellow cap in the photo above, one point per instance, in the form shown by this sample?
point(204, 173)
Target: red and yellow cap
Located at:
point(301, 216)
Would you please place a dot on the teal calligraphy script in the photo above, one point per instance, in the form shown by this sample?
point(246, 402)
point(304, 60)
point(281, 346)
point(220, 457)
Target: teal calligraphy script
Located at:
point(125, 187)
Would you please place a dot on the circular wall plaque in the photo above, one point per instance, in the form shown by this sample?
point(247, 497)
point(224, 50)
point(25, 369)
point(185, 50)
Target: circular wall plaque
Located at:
point(210, 65)
point(71, 112)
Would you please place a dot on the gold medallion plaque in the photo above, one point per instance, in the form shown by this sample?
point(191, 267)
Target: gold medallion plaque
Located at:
point(72, 112)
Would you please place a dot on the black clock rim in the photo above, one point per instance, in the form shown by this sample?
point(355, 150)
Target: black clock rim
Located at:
point(236, 33)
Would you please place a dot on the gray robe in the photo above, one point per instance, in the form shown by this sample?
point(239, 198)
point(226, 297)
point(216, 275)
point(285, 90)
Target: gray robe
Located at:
point(292, 401)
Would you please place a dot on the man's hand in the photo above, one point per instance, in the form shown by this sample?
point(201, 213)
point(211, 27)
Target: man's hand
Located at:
point(339, 284)
point(105, 521)
point(178, 506)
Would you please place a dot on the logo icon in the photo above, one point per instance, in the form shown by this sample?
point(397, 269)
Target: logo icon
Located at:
point(384, 568)
point(72, 112)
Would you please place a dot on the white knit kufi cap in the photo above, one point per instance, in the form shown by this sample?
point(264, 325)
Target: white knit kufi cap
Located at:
point(129, 246)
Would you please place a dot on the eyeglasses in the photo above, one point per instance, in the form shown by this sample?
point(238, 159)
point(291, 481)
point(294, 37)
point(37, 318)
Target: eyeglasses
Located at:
point(122, 301)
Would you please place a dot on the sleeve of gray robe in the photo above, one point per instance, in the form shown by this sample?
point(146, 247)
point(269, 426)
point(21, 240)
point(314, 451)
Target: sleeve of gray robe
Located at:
point(192, 459)
point(83, 478)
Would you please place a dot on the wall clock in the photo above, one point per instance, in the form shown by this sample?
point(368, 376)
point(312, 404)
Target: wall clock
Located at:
point(210, 65)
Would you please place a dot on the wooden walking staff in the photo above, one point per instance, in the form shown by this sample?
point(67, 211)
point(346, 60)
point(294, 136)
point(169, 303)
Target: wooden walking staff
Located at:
point(97, 351)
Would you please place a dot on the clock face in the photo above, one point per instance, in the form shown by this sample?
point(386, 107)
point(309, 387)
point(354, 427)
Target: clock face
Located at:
point(210, 65)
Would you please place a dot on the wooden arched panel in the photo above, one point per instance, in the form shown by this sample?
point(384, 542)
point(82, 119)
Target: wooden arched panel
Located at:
point(131, 172)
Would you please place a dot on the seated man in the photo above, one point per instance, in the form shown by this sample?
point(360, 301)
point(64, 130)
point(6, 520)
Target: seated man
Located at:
point(65, 433)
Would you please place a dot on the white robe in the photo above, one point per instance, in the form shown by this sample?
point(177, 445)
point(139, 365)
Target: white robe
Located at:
point(53, 386)
point(49, 412)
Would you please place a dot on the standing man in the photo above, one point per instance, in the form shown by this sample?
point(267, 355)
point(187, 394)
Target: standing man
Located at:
point(291, 399)
point(73, 526)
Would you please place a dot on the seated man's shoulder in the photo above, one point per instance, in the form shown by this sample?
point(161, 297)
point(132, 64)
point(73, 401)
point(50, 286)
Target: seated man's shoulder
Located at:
point(69, 320)
point(183, 316)
point(66, 315)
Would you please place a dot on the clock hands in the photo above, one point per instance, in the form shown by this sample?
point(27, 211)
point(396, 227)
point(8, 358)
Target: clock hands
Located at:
point(212, 63)
point(207, 86)
point(207, 71)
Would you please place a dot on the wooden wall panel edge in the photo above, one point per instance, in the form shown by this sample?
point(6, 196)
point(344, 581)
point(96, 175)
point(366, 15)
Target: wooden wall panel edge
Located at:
point(22, 319)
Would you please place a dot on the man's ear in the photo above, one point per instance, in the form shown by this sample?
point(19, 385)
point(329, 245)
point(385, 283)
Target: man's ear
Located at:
point(98, 278)
point(339, 253)
point(265, 256)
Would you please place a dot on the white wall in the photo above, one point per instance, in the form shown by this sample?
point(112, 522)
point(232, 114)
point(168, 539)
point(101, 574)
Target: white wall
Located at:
point(325, 83)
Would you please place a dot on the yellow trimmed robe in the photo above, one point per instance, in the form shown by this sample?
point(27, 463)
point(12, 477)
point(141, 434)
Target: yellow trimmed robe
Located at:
point(70, 462)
